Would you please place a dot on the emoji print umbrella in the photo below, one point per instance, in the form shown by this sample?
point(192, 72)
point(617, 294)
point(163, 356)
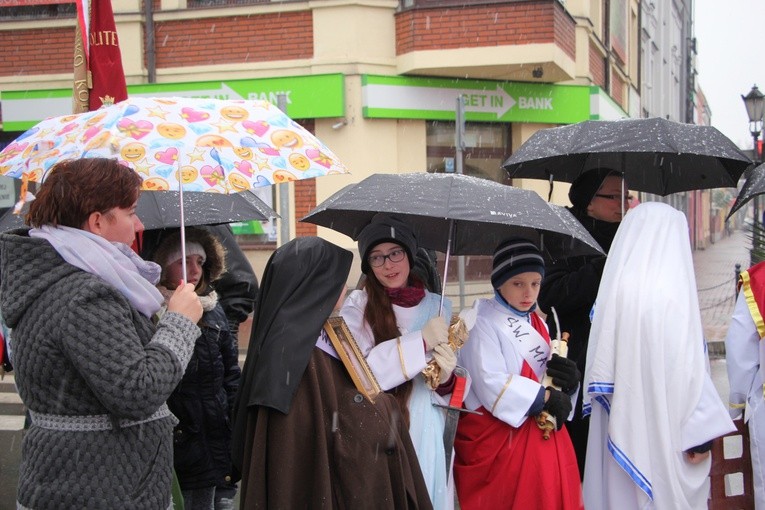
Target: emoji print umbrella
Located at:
point(183, 144)
point(223, 146)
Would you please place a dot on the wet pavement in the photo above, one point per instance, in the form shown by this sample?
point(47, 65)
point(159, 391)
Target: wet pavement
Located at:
point(715, 269)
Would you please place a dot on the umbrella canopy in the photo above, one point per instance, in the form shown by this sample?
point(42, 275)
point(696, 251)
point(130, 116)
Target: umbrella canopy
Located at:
point(754, 186)
point(455, 213)
point(656, 155)
point(207, 144)
point(160, 209)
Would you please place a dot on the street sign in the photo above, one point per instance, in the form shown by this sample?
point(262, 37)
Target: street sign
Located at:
point(404, 97)
point(308, 97)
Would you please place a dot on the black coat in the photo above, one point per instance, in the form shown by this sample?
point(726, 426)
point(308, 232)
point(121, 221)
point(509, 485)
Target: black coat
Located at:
point(571, 286)
point(203, 402)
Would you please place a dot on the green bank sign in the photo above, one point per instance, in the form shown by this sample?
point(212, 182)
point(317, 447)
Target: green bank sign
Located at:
point(401, 97)
point(308, 97)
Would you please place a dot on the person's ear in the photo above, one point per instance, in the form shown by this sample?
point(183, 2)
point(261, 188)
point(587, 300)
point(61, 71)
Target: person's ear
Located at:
point(94, 223)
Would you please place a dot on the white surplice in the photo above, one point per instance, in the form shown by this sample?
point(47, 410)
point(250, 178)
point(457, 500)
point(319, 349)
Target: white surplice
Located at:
point(647, 376)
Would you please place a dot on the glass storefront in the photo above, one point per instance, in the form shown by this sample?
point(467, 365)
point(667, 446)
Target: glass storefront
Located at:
point(486, 148)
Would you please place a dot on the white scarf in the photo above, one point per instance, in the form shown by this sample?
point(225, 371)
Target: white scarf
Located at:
point(645, 358)
point(116, 263)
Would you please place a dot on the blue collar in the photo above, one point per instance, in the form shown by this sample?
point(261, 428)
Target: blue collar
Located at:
point(510, 307)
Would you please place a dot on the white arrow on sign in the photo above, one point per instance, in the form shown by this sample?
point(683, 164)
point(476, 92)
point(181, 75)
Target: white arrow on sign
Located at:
point(224, 92)
point(409, 97)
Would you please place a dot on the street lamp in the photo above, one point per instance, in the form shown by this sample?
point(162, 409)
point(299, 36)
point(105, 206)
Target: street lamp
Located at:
point(754, 102)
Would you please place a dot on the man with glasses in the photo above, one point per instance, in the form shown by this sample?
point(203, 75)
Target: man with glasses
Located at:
point(571, 285)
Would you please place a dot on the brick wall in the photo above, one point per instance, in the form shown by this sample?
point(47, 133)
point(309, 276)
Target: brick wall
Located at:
point(262, 38)
point(39, 51)
point(485, 25)
point(597, 66)
point(617, 90)
point(565, 31)
point(305, 201)
point(305, 195)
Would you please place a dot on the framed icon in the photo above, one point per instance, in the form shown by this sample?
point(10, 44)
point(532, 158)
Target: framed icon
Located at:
point(350, 354)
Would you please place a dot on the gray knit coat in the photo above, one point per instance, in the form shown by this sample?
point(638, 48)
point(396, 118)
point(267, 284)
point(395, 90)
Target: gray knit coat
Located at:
point(80, 349)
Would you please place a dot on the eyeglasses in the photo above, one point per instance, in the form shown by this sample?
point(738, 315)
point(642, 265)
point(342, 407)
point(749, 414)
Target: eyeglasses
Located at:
point(379, 260)
point(618, 198)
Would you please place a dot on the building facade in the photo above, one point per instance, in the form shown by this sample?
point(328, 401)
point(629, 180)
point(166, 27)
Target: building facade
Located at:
point(376, 80)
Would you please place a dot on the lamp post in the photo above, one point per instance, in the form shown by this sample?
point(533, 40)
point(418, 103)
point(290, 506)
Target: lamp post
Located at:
point(754, 102)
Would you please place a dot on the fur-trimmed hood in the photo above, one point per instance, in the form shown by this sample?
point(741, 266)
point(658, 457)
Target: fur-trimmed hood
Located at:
point(215, 263)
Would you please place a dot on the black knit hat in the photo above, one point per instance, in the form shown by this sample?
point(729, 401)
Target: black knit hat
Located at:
point(515, 256)
point(585, 186)
point(386, 228)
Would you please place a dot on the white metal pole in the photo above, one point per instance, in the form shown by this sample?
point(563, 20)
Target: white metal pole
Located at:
point(284, 188)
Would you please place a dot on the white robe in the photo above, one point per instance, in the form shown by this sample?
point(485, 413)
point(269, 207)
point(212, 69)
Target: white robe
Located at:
point(396, 361)
point(494, 364)
point(746, 375)
point(647, 376)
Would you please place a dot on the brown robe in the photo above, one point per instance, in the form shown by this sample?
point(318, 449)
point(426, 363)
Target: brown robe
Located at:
point(333, 449)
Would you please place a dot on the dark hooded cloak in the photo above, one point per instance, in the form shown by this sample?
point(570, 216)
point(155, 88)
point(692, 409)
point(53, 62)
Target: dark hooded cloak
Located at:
point(301, 284)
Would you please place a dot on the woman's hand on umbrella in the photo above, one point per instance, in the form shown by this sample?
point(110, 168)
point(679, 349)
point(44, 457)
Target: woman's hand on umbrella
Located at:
point(186, 302)
point(435, 332)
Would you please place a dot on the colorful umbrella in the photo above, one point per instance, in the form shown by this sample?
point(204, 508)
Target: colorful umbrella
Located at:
point(184, 144)
point(207, 144)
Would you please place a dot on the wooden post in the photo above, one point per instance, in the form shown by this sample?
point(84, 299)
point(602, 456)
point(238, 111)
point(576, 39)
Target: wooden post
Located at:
point(722, 467)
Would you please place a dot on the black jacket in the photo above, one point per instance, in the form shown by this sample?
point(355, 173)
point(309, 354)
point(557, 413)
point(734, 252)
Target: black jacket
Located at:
point(571, 286)
point(203, 402)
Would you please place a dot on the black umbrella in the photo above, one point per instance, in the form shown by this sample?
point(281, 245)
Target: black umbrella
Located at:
point(161, 209)
point(656, 155)
point(754, 186)
point(456, 214)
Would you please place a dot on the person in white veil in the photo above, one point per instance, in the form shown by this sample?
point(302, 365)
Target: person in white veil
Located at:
point(654, 407)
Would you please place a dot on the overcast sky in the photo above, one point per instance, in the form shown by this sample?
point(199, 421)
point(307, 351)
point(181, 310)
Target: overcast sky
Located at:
point(731, 58)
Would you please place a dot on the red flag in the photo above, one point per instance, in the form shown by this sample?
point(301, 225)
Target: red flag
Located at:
point(102, 51)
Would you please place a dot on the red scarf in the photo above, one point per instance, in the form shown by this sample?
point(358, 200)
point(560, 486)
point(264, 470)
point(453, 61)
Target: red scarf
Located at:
point(407, 296)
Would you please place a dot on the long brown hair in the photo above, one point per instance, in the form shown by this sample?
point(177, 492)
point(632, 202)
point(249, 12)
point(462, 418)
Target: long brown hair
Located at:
point(382, 320)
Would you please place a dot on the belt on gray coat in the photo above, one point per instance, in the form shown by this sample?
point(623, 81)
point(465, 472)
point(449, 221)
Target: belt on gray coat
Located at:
point(93, 422)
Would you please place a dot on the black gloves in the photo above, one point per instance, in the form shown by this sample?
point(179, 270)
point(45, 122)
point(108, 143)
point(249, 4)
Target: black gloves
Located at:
point(558, 405)
point(564, 373)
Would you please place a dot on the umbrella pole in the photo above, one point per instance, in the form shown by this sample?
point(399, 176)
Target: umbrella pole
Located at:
point(624, 181)
point(183, 227)
point(446, 267)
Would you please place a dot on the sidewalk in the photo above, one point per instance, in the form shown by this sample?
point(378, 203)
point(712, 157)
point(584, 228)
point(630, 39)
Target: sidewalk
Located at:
point(715, 269)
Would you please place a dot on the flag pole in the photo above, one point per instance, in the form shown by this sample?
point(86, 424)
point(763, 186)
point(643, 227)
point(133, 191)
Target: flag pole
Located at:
point(82, 82)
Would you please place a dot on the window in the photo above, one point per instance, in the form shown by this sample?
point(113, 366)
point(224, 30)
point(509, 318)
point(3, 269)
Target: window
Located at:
point(486, 148)
point(33, 10)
